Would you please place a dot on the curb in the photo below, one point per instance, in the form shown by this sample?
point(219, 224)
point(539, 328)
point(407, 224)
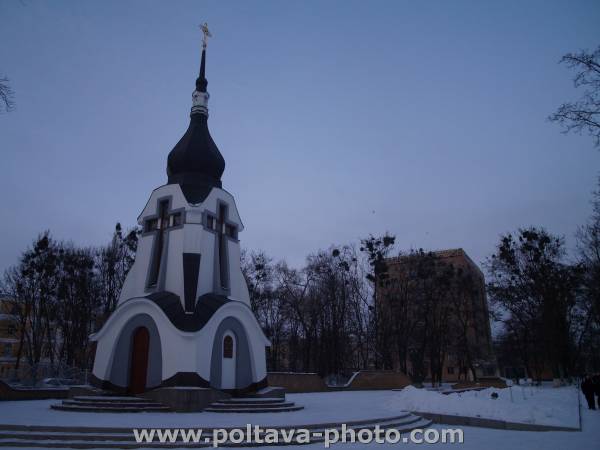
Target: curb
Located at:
point(449, 419)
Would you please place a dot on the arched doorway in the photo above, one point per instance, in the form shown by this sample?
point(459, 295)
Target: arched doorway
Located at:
point(237, 370)
point(139, 361)
point(228, 365)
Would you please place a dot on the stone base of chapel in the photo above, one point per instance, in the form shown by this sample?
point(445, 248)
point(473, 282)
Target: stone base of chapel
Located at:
point(185, 398)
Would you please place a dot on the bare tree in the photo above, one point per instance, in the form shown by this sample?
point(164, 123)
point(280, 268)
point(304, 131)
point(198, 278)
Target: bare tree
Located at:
point(7, 95)
point(316, 317)
point(375, 250)
point(112, 263)
point(297, 285)
point(332, 297)
point(530, 280)
point(584, 114)
point(588, 243)
point(74, 311)
point(58, 292)
point(466, 315)
point(269, 303)
point(32, 287)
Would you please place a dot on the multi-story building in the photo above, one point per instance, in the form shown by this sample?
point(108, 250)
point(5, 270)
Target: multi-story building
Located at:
point(9, 339)
point(468, 320)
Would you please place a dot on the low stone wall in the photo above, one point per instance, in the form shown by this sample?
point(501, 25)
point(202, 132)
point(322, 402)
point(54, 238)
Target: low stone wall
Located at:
point(297, 382)
point(9, 393)
point(481, 383)
point(362, 380)
point(378, 379)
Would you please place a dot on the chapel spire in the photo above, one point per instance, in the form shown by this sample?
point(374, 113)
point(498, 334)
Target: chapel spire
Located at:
point(201, 81)
point(195, 163)
point(200, 96)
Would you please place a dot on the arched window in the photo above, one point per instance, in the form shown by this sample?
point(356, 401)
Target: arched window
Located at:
point(228, 347)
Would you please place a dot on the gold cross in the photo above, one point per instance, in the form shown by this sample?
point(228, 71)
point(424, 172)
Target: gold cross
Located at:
point(206, 34)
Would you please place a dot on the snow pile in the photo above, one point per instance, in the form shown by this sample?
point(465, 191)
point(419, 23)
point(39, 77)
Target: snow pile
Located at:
point(537, 405)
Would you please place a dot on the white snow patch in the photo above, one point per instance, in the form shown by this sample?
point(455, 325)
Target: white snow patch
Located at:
point(535, 405)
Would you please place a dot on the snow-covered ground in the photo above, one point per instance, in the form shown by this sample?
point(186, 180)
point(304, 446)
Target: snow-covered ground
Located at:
point(485, 438)
point(548, 406)
point(318, 408)
point(533, 405)
point(537, 405)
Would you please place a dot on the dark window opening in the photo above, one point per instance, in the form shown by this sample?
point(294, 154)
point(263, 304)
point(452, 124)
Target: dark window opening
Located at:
point(222, 216)
point(151, 225)
point(176, 219)
point(210, 222)
point(228, 347)
point(230, 230)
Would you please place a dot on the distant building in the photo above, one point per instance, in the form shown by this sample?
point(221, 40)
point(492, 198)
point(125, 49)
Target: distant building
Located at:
point(9, 339)
point(475, 315)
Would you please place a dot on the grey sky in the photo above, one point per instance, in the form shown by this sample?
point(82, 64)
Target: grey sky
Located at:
point(336, 119)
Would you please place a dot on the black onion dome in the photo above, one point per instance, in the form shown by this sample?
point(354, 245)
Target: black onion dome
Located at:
point(195, 163)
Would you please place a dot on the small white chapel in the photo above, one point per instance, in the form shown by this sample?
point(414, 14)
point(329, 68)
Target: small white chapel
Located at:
point(184, 317)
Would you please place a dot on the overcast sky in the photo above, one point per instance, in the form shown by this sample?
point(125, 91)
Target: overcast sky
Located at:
point(336, 119)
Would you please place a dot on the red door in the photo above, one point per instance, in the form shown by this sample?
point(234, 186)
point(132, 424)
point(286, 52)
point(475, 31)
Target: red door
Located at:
point(139, 360)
